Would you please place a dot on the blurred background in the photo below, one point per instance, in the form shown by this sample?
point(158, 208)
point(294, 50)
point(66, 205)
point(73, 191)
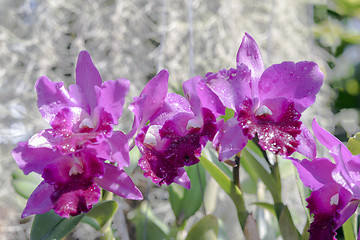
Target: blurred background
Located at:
point(134, 40)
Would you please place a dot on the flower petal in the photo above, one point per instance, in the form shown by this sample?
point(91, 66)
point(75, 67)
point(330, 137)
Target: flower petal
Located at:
point(307, 146)
point(249, 54)
point(329, 140)
point(39, 201)
point(183, 179)
point(148, 103)
point(112, 97)
point(33, 159)
point(232, 86)
point(75, 202)
point(52, 97)
point(316, 173)
point(87, 77)
point(230, 139)
point(324, 209)
point(118, 182)
point(298, 82)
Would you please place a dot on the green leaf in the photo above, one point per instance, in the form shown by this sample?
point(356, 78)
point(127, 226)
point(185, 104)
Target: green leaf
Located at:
point(25, 184)
point(251, 159)
point(354, 144)
point(229, 187)
point(148, 226)
point(49, 226)
point(102, 212)
point(286, 224)
point(229, 113)
point(248, 185)
point(206, 229)
point(348, 230)
point(185, 202)
point(267, 206)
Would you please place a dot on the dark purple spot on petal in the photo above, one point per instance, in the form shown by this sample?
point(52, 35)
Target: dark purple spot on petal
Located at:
point(276, 131)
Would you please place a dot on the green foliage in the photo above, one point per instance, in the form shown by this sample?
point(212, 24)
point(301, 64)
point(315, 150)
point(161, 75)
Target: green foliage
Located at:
point(25, 184)
point(50, 226)
point(100, 214)
point(354, 144)
point(147, 225)
point(206, 229)
point(185, 202)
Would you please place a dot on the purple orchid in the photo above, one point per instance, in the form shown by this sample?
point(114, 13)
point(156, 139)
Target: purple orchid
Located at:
point(335, 185)
point(267, 102)
point(70, 156)
point(177, 130)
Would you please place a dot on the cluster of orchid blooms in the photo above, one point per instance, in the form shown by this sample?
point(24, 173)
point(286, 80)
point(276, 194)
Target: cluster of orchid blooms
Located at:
point(81, 152)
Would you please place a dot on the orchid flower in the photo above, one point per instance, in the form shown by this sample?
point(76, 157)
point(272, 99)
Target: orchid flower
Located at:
point(267, 102)
point(170, 130)
point(70, 156)
point(335, 185)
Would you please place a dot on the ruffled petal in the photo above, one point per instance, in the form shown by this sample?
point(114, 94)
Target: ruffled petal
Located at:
point(249, 54)
point(52, 97)
point(75, 202)
point(298, 82)
point(323, 204)
point(87, 77)
point(33, 159)
point(112, 97)
point(39, 201)
point(230, 140)
point(118, 182)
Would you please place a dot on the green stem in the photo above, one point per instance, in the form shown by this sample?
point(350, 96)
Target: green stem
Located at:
point(236, 171)
point(106, 231)
point(229, 187)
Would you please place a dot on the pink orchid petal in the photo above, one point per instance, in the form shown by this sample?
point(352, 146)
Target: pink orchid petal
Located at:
point(329, 140)
point(118, 182)
point(316, 173)
point(75, 202)
point(39, 201)
point(112, 97)
point(231, 86)
point(190, 92)
point(183, 179)
point(173, 105)
point(230, 140)
point(209, 99)
point(87, 77)
point(52, 97)
point(320, 204)
point(33, 159)
point(249, 54)
point(148, 103)
point(298, 82)
point(307, 146)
